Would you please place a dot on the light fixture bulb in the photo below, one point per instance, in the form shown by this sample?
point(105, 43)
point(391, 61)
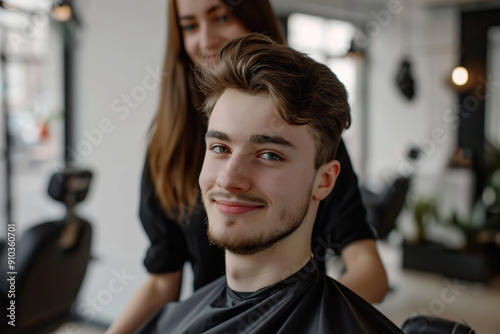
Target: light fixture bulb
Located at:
point(460, 76)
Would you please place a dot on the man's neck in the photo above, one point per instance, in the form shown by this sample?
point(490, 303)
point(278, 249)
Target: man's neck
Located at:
point(248, 273)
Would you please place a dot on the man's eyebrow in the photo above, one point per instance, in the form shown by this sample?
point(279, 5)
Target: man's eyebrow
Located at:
point(191, 17)
point(218, 135)
point(254, 139)
point(263, 139)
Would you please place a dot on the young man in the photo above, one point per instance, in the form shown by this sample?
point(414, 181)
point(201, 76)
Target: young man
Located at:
point(275, 120)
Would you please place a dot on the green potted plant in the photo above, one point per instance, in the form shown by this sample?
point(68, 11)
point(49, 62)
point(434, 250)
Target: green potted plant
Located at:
point(424, 210)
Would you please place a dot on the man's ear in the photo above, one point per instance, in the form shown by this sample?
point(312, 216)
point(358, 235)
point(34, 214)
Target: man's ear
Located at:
point(325, 179)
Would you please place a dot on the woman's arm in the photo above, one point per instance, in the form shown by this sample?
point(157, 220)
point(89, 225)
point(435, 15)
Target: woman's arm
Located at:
point(365, 273)
point(154, 293)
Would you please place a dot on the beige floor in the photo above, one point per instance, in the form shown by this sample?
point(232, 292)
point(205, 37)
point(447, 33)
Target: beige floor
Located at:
point(414, 293)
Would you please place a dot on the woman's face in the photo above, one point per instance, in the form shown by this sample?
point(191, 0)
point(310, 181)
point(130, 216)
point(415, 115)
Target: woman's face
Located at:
point(205, 26)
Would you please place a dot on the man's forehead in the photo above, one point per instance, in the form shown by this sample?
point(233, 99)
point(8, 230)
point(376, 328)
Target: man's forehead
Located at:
point(239, 99)
point(246, 111)
point(253, 118)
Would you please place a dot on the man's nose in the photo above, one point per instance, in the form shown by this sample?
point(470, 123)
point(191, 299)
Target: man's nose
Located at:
point(235, 176)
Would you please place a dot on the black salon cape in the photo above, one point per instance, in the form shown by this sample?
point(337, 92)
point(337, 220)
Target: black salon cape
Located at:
point(307, 302)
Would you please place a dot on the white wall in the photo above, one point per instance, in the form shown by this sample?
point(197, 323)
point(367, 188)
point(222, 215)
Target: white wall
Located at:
point(120, 44)
point(431, 40)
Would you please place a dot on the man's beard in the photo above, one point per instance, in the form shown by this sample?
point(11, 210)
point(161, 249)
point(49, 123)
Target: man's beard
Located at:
point(291, 220)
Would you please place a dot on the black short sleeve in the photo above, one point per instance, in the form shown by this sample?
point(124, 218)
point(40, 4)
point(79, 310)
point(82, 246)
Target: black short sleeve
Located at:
point(168, 250)
point(341, 217)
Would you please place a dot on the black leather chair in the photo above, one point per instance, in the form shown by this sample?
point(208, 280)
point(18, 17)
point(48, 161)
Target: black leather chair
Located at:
point(51, 260)
point(422, 324)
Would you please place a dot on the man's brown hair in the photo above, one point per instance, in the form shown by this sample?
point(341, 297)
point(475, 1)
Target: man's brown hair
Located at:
point(303, 91)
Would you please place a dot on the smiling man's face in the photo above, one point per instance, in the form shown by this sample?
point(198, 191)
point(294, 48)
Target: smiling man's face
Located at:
point(258, 176)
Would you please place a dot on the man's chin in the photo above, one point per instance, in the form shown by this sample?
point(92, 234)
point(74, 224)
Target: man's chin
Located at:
point(241, 242)
point(241, 247)
point(234, 242)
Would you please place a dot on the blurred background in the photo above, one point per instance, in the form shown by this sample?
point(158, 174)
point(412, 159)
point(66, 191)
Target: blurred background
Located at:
point(79, 82)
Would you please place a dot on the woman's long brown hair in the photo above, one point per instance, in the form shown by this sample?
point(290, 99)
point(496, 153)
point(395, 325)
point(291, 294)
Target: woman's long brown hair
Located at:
point(176, 149)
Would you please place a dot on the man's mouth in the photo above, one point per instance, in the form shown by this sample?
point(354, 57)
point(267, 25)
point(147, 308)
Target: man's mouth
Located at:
point(234, 208)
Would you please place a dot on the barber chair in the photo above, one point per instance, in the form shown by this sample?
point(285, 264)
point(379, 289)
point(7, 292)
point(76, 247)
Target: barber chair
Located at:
point(422, 324)
point(51, 260)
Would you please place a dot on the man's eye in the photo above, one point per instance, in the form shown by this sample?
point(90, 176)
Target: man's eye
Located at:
point(219, 149)
point(271, 156)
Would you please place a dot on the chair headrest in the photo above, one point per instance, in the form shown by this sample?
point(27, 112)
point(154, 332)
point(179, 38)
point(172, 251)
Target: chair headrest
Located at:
point(70, 185)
